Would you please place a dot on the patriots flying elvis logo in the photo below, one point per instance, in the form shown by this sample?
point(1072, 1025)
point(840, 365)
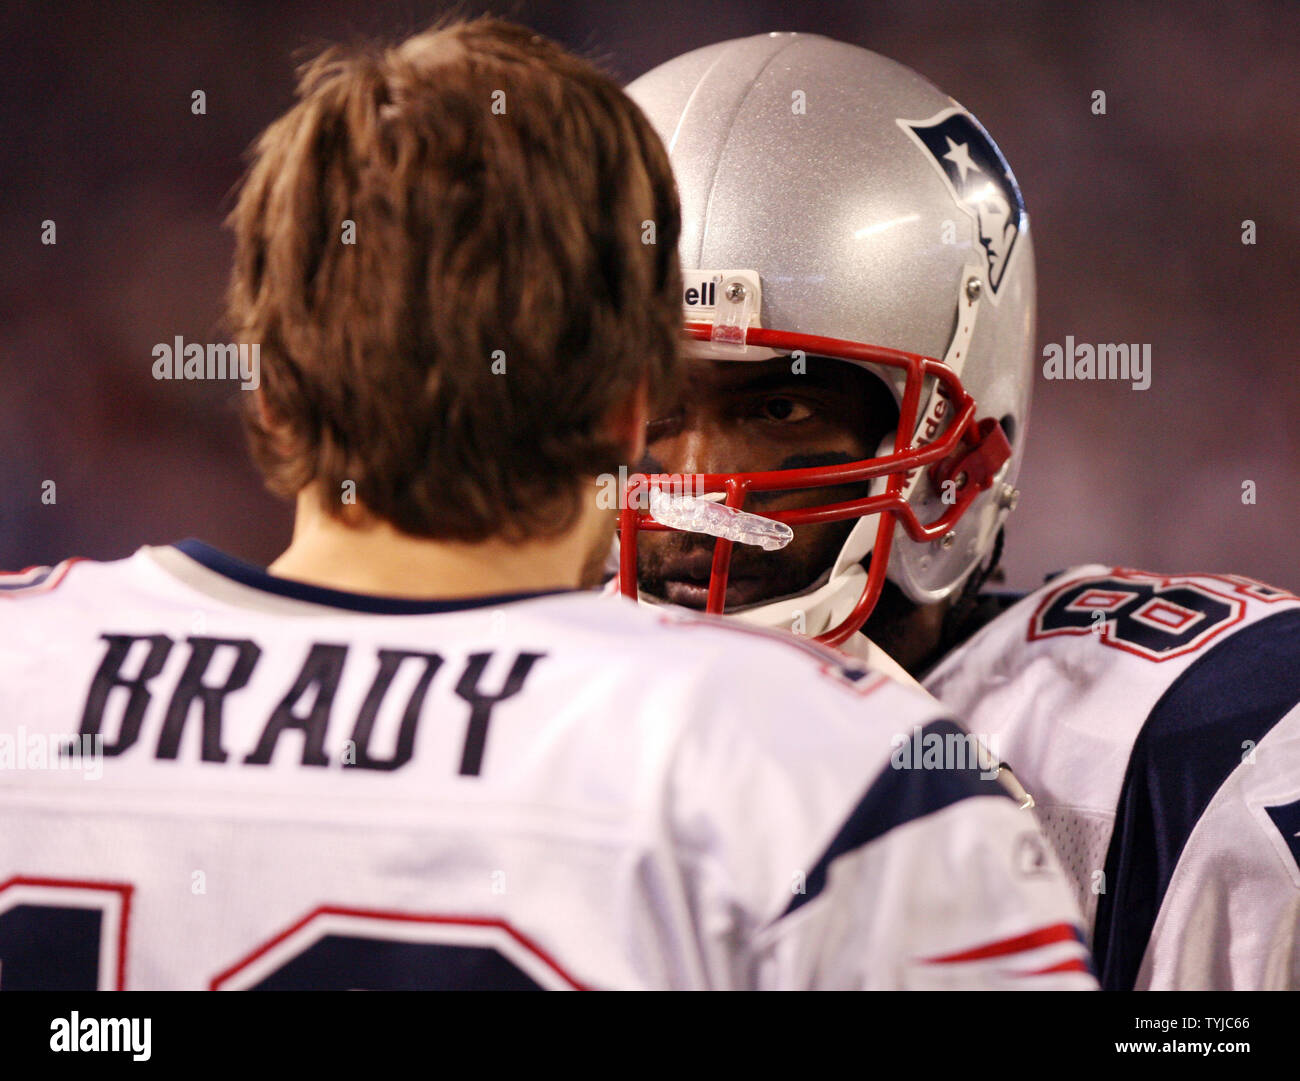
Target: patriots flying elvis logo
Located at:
point(980, 181)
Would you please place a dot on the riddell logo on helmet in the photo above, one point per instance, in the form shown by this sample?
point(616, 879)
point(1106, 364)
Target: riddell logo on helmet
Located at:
point(928, 429)
point(702, 294)
point(707, 290)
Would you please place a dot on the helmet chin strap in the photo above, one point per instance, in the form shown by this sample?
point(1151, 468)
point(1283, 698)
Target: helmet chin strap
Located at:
point(813, 612)
point(824, 607)
point(827, 602)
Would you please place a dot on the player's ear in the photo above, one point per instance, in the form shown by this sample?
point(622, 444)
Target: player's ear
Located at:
point(627, 421)
point(263, 413)
point(268, 421)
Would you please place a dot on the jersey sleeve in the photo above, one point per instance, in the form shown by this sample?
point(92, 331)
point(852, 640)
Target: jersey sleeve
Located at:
point(1229, 916)
point(952, 888)
point(1202, 872)
point(1155, 720)
point(846, 862)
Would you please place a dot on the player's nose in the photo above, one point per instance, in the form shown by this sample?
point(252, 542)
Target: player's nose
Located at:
point(696, 449)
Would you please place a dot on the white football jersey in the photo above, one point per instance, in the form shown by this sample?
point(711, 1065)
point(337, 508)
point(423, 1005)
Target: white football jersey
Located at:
point(1155, 720)
point(214, 778)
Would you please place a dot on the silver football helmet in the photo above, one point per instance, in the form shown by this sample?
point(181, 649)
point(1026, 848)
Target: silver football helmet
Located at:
point(837, 204)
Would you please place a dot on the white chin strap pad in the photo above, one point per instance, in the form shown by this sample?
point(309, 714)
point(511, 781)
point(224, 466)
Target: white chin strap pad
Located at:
point(815, 612)
point(862, 537)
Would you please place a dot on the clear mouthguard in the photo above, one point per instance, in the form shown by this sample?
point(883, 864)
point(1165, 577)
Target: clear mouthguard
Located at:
point(703, 515)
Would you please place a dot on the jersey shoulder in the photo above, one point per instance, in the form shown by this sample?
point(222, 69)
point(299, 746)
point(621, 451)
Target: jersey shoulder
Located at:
point(1157, 708)
point(797, 757)
point(1154, 617)
point(35, 581)
point(1103, 617)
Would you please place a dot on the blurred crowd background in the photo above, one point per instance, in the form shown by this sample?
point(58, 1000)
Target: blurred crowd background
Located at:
point(1137, 214)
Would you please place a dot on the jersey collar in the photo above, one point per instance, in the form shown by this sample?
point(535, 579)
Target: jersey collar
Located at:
point(254, 577)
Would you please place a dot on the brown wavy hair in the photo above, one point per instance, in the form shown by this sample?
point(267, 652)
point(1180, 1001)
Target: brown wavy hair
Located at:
point(501, 191)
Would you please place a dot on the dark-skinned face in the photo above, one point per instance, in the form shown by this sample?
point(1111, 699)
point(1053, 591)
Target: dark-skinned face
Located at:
point(752, 416)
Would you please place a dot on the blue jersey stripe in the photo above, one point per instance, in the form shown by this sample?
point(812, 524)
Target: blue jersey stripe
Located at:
point(1191, 742)
point(26, 583)
point(898, 796)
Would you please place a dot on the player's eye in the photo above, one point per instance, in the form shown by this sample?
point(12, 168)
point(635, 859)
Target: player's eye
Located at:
point(783, 410)
point(662, 427)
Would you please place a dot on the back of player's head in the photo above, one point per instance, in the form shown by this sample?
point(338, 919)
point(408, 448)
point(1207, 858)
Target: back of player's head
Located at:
point(458, 256)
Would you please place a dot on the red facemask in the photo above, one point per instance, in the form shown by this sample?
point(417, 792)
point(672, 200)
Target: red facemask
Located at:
point(969, 452)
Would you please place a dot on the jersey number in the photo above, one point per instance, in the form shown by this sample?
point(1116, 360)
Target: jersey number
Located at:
point(57, 936)
point(1156, 618)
